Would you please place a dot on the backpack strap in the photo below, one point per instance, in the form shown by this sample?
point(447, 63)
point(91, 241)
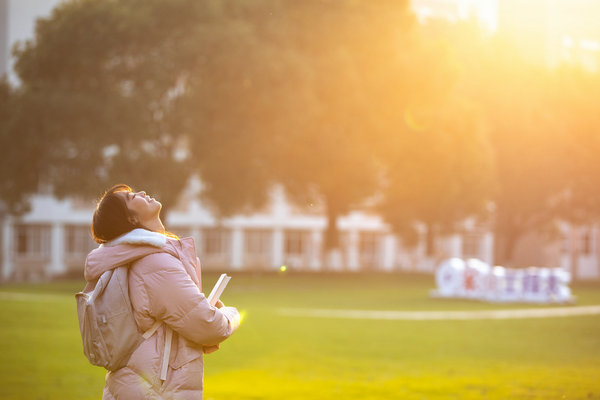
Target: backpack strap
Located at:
point(152, 329)
point(167, 352)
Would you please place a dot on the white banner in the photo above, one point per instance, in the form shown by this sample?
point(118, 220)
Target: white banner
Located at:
point(475, 279)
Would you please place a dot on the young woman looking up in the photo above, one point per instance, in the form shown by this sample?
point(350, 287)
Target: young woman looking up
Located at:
point(164, 285)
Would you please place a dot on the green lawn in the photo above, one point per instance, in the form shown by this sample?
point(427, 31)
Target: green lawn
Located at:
point(274, 356)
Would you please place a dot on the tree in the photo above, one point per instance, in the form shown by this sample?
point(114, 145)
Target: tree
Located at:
point(574, 100)
point(364, 64)
point(440, 170)
point(99, 87)
point(441, 174)
point(233, 104)
point(529, 142)
point(11, 184)
point(528, 138)
point(246, 94)
point(311, 108)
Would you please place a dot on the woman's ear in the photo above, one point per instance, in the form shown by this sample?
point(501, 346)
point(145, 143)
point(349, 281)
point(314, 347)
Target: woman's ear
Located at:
point(133, 220)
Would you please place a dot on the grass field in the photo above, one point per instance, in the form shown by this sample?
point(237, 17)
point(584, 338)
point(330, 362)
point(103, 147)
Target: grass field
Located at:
point(274, 356)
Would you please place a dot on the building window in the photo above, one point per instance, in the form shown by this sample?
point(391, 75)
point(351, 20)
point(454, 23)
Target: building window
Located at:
point(295, 242)
point(216, 241)
point(257, 242)
point(78, 240)
point(32, 241)
point(369, 246)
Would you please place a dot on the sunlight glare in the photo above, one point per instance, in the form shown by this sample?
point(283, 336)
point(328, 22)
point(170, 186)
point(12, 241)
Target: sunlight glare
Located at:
point(412, 121)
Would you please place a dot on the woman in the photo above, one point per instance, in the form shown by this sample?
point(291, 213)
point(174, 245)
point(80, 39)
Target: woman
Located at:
point(165, 286)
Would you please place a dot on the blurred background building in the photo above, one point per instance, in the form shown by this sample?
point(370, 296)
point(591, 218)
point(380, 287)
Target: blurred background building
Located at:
point(53, 238)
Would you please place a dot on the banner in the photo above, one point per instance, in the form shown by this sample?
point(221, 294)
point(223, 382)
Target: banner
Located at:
point(475, 279)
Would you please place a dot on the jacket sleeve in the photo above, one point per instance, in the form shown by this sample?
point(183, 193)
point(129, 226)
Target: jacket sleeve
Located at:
point(173, 297)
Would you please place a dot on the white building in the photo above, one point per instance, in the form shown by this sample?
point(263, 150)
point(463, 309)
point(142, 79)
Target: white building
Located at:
point(54, 238)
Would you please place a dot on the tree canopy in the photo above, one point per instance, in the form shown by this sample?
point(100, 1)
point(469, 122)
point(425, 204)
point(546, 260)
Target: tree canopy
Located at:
point(246, 94)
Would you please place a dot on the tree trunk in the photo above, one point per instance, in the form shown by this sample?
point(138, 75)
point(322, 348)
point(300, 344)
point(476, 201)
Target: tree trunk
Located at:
point(332, 237)
point(430, 240)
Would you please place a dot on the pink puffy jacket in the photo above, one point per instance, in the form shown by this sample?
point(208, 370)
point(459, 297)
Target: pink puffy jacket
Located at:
point(164, 284)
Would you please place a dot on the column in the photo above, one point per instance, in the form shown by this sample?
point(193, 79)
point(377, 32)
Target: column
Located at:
point(7, 249)
point(277, 249)
point(487, 248)
point(237, 248)
point(389, 252)
point(317, 250)
point(57, 250)
point(353, 250)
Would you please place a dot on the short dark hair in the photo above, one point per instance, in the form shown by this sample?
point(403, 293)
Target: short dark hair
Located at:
point(112, 217)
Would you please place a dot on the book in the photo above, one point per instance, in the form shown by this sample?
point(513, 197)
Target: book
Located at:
point(218, 289)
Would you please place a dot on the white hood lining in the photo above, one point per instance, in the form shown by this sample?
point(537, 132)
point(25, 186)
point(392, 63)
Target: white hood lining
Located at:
point(139, 236)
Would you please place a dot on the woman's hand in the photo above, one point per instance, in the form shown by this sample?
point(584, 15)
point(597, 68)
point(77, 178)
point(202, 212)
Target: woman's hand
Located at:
point(212, 349)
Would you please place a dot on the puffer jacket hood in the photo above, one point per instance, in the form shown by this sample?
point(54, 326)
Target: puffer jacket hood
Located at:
point(123, 250)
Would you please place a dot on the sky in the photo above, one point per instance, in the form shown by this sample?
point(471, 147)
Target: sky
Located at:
point(20, 25)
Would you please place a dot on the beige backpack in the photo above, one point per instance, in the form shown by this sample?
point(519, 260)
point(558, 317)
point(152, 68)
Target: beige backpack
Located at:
point(108, 329)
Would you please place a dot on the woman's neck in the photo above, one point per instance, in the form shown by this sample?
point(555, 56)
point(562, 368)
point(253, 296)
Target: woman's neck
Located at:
point(155, 225)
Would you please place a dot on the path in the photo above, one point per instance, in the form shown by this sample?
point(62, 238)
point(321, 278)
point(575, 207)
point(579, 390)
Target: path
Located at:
point(547, 312)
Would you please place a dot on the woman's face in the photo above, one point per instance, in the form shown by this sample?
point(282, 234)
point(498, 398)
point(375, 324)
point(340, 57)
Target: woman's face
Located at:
point(141, 205)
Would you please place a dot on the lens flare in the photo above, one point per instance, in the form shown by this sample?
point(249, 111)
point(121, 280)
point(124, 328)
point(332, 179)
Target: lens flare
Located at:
point(243, 314)
point(412, 121)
